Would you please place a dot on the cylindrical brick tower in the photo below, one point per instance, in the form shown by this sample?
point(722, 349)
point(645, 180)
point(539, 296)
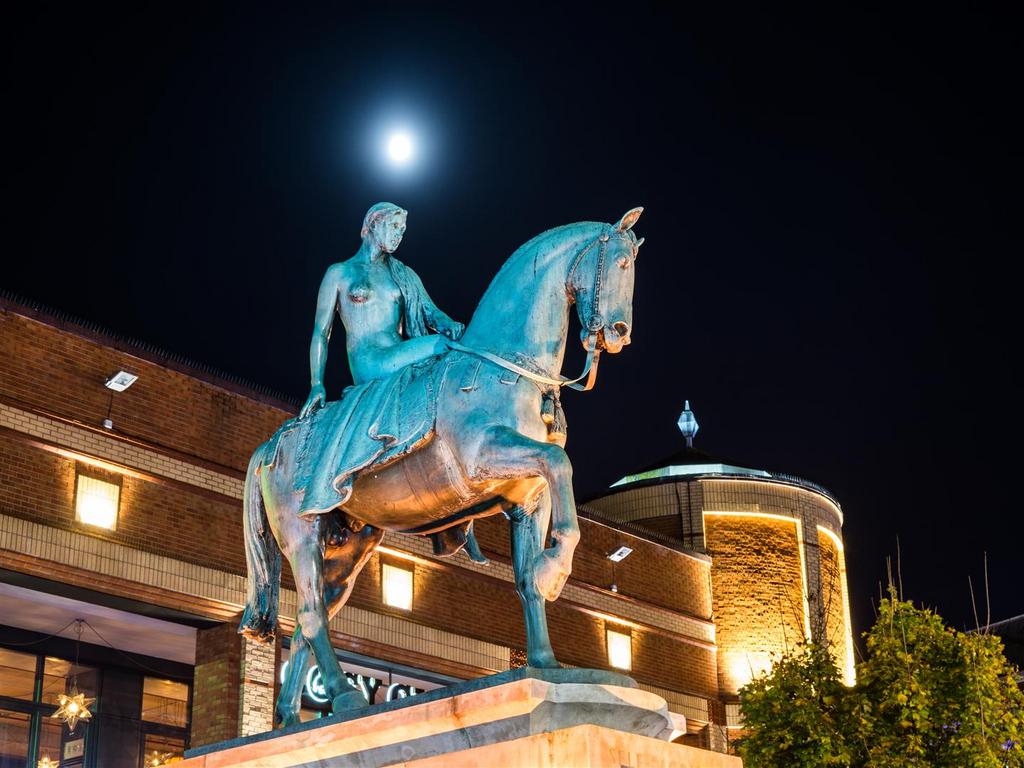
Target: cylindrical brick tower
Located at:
point(778, 569)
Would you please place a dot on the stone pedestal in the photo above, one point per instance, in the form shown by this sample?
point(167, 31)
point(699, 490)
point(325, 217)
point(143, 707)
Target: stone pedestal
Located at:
point(526, 717)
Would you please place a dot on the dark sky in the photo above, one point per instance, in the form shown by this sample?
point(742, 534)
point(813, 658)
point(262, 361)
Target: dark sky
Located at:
point(832, 220)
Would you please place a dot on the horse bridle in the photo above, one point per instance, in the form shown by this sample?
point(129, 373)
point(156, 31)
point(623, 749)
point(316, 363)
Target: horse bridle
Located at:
point(594, 324)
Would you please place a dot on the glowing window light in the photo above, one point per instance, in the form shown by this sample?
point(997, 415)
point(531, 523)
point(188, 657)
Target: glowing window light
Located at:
point(96, 502)
point(620, 649)
point(397, 583)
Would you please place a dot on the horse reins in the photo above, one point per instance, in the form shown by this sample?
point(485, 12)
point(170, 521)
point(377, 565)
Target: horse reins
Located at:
point(594, 324)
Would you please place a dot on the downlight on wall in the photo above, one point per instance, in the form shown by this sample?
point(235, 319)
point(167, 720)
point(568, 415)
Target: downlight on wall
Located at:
point(96, 501)
point(396, 584)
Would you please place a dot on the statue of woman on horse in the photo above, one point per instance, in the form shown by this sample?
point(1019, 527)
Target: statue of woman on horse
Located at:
point(390, 323)
point(438, 430)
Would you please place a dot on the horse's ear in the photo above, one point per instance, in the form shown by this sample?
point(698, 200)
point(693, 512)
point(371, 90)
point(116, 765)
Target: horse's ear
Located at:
point(627, 221)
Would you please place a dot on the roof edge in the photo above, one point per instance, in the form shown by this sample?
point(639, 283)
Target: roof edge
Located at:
point(151, 353)
point(711, 471)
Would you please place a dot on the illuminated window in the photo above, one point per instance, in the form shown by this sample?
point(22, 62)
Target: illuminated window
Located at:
point(96, 501)
point(397, 587)
point(165, 701)
point(620, 649)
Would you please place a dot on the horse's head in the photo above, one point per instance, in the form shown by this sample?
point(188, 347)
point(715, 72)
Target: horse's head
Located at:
point(601, 283)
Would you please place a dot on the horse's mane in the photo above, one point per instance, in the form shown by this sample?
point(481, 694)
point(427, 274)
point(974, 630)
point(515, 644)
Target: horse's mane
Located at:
point(533, 248)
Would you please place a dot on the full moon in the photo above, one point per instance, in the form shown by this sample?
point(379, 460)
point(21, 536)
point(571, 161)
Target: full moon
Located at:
point(400, 148)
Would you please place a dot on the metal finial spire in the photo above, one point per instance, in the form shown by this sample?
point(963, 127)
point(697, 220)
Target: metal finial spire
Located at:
point(688, 424)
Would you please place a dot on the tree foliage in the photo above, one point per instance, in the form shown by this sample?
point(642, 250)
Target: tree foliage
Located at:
point(927, 696)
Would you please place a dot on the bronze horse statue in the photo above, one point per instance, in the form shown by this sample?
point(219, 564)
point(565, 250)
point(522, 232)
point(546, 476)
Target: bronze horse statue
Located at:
point(495, 444)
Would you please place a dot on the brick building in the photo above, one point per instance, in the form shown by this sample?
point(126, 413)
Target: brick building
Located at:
point(124, 509)
point(778, 569)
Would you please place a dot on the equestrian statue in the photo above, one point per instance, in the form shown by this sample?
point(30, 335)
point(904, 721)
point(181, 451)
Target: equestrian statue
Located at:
point(443, 424)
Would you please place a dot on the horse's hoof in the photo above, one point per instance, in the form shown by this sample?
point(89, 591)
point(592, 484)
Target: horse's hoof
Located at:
point(349, 700)
point(543, 661)
point(549, 578)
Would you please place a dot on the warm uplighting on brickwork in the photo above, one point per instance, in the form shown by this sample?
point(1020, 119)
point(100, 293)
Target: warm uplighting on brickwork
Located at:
point(397, 586)
point(804, 599)
point(97, 501)
point(620, 649)
point(849, 666)
point(745, 666)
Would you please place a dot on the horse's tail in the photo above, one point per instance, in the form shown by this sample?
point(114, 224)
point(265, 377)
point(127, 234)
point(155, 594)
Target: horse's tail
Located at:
point(263, 557)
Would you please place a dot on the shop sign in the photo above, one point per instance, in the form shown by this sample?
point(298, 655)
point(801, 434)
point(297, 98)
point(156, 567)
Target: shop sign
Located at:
point(314, 689)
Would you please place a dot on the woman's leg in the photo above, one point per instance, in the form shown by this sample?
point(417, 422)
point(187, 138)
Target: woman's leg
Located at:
point(385, 362)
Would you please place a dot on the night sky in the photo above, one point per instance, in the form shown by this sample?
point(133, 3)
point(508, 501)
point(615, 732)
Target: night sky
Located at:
point(832, 199)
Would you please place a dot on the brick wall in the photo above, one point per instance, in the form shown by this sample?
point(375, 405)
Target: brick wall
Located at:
point(757, 582)
point(256, 687)
point(215, 695)
point(177, 521)
point(835, 609)
point(653, 573)
point(62, 372)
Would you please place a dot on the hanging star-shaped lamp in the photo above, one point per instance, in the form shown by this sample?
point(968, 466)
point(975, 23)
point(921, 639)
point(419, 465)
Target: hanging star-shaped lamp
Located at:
point(156, 759)
point(73, 707)
point(46, 762)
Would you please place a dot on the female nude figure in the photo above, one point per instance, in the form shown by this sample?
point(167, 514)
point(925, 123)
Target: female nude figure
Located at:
point(389, 319)
point(390, 322)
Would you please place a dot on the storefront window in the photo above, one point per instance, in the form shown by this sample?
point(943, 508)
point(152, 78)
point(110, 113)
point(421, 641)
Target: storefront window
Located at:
point(17, 675)
point(152, 728)
point(165, 702)
point(14, 738)
point(59, 674)
point(50, 733)
point(162, 750)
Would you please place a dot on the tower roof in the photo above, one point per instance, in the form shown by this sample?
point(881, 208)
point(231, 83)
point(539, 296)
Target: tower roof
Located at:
point(691, 463)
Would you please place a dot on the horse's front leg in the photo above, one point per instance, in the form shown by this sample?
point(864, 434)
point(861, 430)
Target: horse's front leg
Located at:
point(527, 546)
point(507, 454)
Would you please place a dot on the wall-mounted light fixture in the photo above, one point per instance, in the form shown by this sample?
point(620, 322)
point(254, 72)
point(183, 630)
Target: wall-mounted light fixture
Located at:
point(617, 556)
point(119, 382)
point(620, 648)
point(96, 501)
point(620, 554)
point(396, 585)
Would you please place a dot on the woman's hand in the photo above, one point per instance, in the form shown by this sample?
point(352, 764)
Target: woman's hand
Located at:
point(453, 330)
point(317, 398)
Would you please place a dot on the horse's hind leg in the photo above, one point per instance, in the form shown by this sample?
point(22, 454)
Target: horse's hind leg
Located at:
point(307, 568)
point(346, 554)
point(527, 544)
point(289, 700)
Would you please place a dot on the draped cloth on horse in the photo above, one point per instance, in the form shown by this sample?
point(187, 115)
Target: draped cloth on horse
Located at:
point(374, 423)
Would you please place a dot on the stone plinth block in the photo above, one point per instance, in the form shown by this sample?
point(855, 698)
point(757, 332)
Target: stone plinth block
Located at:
point(526, 717)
